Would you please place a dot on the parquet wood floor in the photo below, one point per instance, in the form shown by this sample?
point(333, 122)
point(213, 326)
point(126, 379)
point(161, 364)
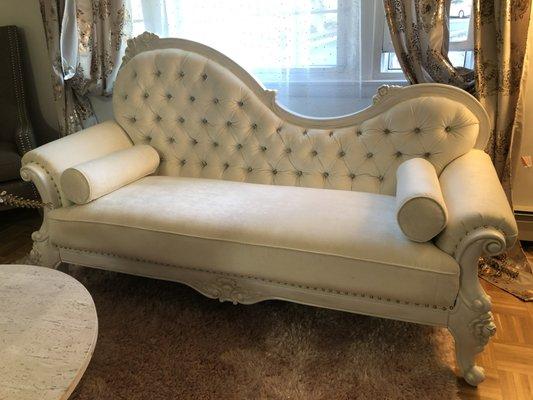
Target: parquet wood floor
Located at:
point(508, 359)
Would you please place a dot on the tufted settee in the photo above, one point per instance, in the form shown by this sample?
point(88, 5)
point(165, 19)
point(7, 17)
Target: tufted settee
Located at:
point(251, 202)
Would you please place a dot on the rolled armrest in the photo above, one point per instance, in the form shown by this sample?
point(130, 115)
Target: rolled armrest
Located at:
point(55, 157)
point(475, 199)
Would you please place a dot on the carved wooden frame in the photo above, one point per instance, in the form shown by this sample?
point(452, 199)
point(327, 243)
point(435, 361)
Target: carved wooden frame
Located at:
point(469, 319)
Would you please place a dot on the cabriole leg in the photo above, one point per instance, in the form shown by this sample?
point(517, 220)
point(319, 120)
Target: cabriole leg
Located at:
point(471, 325)
point(43, 252)
point(471, 322)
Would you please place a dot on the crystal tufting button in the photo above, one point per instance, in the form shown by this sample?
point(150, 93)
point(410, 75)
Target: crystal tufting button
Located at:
point(342, 153)
point(204, 164)
point(215, 100)
point(146, 95)
point(351, 176)
point(250, 169)
point(181, 74)
point(274, 171)
point(240, 103)
point(181, 120)
point(398, 154)
point(386, 131)
point(448, 129)
point(263, 148)
point(239, 146)
point(358, 133)
point(204, 77)
point(299, 173)
point(169, 96)
point(417, 130)
point(369, 155)
point(254, 126)
point(288, 151)
point(314, 153)
point(325, 174)
point(427, 154)
point(204, 121)
point(192, 98)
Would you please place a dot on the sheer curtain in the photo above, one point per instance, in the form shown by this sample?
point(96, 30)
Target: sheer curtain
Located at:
point(309, 50)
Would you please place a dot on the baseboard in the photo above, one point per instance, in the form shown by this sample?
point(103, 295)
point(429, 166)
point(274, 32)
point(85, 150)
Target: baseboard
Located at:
point(524, 219)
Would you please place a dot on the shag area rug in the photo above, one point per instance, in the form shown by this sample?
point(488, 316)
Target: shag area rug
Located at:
point(162, 340)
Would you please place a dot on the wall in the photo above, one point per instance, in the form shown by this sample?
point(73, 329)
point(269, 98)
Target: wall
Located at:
point(27, 16)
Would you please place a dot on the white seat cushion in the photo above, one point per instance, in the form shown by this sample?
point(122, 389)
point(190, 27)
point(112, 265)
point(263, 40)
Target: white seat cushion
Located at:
point(338, 240)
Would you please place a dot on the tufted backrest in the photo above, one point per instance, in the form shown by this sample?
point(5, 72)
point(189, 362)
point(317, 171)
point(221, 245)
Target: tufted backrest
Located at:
point(205, 121)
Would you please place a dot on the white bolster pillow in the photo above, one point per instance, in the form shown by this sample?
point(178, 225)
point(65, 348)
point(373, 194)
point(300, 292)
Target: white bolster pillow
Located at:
point(90, 180)
point(420, 208)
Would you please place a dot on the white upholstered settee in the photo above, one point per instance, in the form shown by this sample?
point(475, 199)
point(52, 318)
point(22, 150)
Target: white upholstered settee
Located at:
point(251, 202)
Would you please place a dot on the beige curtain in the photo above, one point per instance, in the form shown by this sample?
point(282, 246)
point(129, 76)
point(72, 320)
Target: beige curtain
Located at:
point(85, 40)
point(419, 33)
point(500, 46)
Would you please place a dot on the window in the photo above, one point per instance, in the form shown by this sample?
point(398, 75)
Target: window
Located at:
point(461, 40)
point(324, 57)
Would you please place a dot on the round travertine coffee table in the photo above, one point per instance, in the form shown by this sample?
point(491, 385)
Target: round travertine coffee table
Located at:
point(48, 330)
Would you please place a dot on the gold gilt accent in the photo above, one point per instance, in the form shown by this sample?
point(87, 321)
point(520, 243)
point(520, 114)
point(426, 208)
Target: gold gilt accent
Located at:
point(10, 200)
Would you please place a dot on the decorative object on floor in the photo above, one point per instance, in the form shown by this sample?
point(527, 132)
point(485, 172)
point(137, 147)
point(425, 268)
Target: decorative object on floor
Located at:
point(16, 133)
point(179, 345)
point(238, 208)
point(85, 40)
point(48, 330)
point(10, 200)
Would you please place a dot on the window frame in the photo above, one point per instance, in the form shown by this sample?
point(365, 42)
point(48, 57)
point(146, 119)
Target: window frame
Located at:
point(465, 46)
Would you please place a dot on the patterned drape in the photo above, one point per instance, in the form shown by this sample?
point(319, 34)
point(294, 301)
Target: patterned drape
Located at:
point(86, 41)
point(420, 34)
point(500, 46)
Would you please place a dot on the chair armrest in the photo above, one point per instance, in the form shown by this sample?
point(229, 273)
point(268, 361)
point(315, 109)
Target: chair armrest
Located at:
point(475, 199)
point(45, 164)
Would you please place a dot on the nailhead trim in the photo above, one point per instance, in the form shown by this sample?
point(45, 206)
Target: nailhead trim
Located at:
point(51, 179)
point(13, 44)
point(318, 289)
